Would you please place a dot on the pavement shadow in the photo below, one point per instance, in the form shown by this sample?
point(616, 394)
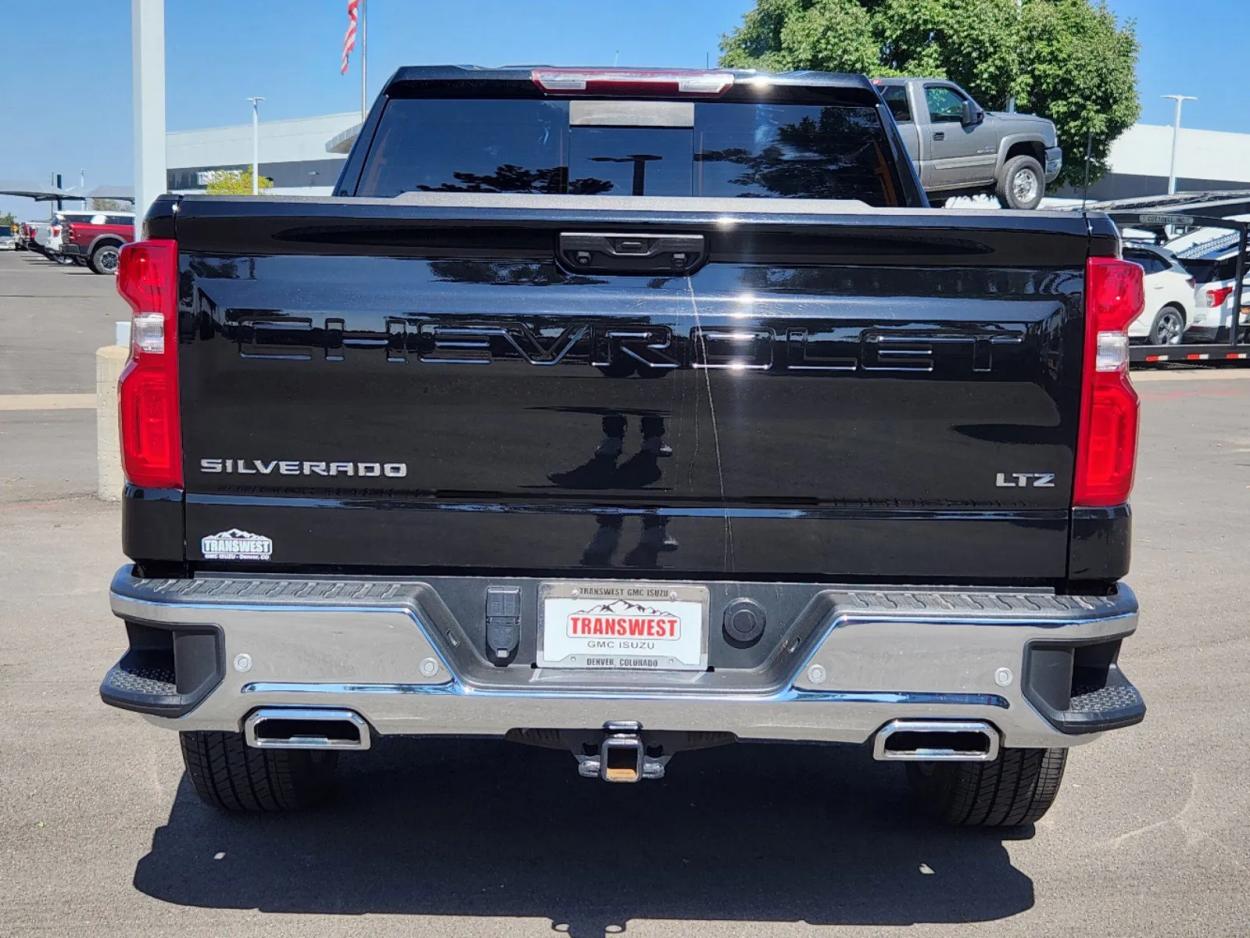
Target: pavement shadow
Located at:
point(761, 833)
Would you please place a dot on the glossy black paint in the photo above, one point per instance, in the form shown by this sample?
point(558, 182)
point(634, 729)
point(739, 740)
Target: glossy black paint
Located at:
point(824, 392)
point(1101, 544)
point(583, 537)
point(152, 525)
point(891, 364)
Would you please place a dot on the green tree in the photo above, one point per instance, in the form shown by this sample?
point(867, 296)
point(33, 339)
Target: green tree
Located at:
point(235, 182)
point(112, 205)
point(1067, 60)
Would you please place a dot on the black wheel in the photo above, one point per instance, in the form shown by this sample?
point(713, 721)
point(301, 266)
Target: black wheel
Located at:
point(1022, 183)
point(1016, 788)
point(232, 776)
point(104, 259)
point(1168, 327)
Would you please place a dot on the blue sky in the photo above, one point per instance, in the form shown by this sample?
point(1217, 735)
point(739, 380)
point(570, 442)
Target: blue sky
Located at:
point(71, 110)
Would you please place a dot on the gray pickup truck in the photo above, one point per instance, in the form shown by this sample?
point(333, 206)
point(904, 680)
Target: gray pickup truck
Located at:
point(959, 148)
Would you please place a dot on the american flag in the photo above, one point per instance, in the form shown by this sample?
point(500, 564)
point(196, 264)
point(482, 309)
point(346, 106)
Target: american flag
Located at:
point(349, 39)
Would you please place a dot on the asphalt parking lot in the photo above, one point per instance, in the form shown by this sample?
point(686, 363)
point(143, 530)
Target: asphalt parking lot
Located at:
point(101, 834)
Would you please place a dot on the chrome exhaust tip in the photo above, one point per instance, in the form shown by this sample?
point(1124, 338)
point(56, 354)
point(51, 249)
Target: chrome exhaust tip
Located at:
point(936, 741)
point(306, 728)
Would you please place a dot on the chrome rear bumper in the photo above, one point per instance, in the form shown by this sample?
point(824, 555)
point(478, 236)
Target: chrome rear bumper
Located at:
point(382, 649)
point(1054, 163)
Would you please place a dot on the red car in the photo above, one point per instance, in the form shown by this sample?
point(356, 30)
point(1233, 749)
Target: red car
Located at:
point(99, 239)
point(25, 236)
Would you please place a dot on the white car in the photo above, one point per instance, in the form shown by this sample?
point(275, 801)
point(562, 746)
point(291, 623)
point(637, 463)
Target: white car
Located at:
point(39, 235)
point(1169, 296)
point(1215, 294)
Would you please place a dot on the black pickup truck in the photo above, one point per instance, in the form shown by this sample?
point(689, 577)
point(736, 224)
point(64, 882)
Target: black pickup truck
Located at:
point(627, 412)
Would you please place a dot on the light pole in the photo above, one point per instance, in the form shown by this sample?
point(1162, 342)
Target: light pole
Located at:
point(364, 57)
point(1180, 100)
point(147, 44)
point(1011, 102)
point(256, 144)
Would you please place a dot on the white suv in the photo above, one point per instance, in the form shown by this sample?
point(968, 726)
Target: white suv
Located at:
point(1169, 296)
point(1215, 294)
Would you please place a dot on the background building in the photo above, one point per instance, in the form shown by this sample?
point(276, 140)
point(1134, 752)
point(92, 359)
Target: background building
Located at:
point(1141, 157)
point(292, 153)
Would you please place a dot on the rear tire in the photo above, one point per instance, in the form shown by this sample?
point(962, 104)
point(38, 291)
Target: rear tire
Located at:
point(1016, 788)
point(1022, 183)
point(1168, 327)
point(232, 776)
point(104, 259)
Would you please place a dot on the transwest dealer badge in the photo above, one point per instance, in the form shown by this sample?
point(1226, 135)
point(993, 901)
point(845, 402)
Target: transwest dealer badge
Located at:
point(236, 545)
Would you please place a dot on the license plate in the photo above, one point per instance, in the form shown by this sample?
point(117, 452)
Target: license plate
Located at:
point(623, 626)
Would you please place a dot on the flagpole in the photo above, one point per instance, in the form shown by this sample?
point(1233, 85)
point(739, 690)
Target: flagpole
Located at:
point(364, 57)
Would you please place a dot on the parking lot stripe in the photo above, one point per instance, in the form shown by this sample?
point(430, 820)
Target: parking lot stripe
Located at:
point(1185, 374)
point(47, 402)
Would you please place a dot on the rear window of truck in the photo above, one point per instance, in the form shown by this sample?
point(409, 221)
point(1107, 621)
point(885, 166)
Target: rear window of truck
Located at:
point(630, 148)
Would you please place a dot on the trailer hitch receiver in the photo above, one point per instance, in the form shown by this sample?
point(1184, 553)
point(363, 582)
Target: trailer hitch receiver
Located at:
point(622, 756)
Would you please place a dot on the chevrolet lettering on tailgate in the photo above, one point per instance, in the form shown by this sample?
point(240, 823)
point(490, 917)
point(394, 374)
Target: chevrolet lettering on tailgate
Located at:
point(814, 347)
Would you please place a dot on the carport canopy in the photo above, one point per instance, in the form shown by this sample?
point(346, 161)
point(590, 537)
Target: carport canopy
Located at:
point(37, 192)
point(1224, 203)
point(52, 193)
point(118, 193)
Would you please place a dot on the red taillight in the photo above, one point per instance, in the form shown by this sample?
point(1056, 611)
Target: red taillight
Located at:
point(1217, 295)
point(1106, 448)
point(56, 231)
point(151, 428)
point(633, 81)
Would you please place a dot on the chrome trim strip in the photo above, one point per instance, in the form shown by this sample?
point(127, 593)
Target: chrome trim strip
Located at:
point(312, 687)
point(897, 697)
point(542, 508)
point(791, 695)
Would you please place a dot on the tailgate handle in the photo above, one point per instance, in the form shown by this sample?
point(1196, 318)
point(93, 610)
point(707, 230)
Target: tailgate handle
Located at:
point(632, 253)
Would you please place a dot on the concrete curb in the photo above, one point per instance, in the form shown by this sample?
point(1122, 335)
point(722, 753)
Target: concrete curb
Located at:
point(109, 362)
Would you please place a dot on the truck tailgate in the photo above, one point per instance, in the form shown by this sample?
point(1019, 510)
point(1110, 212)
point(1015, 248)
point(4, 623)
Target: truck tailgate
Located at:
point(431, 382)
